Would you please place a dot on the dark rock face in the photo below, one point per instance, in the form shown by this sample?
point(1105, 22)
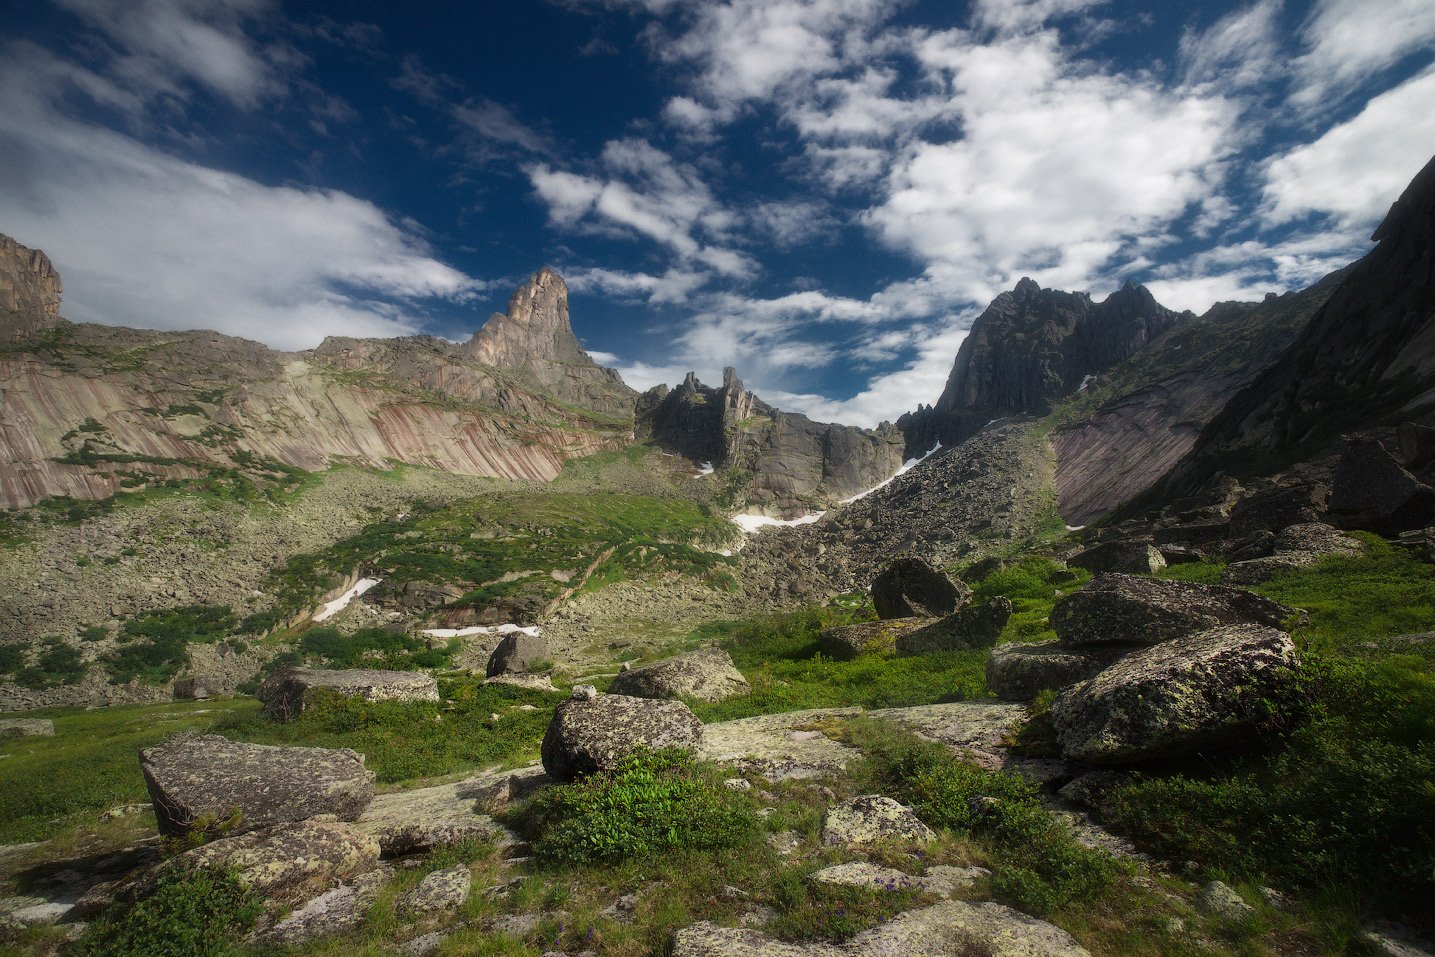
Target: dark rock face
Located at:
point(1371, 490)
point(976, 626)
point(1131, 610)
point(195, 781)
point(1021, 672)
point(286, 693)
point(1134, 557)
point(589, 735)
point(707, 675)
point(29, 291)
point(867, 637)
point(1031, 347)
point(1190, 693)
point(793, 459)
point(1273, 509)
point(517, 653)
point(1298, 546)
point(910, 588)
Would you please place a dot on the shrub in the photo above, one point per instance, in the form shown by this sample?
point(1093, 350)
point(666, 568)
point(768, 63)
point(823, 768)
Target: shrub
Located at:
point(153, 647)
point(58, 664)
point(654, 802)
point(374, 648)
point(12, 658)
point(200, 914)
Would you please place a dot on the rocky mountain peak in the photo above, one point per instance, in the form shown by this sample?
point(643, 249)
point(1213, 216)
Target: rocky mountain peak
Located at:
point(29, 291)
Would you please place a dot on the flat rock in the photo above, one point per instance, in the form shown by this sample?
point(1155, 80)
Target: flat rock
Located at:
point(1393, 940)
point(973, 729)
point(779, 747)
point(444, 890)
point(871, 819)
point(196, 781)
point(975, 626)
point(1132, 610)
point(596, 734)
point(910, 588)
point(420, 819)
point(706, 675)
point(869, 876)
point(1200, 691)
point(1021, 672)
point(26, 728)
point(522, 680)
point(1140, 557)
point(335, 911)
point(287, 692)
point(848, 642)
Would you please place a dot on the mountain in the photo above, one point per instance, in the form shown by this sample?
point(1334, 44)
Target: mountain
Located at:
point(795, 464)
point(89, 410)
point(1366, 359)
point(1031, 348)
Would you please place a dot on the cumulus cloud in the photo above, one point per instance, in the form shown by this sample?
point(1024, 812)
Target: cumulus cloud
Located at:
point(145, 239)
point(1239, 51)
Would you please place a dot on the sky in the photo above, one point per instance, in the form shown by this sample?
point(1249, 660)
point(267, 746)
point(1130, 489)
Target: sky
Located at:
point(822, 193)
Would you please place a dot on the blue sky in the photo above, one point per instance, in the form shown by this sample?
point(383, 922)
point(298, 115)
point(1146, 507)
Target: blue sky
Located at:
point(823, 193)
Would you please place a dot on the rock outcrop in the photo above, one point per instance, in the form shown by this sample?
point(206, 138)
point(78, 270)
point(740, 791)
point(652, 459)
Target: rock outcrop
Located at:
point(1021, 672)
point(847, 642)
point(794, 462)
point(1204, 690)
point(911, 588)
point(975, 626)
point(1132, 610)
point(872, 819)
point(596, 734)
point(287, 692)
point(706, 675)
point(29, 291)
point(211, 782)
point(517, 653)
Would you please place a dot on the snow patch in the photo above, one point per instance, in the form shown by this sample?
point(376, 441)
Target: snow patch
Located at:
point(332, 608)
point(907, 466)
point(705, 469)
point(1074, 528)
point(508, 629)
point(1086, 381)
point(751, 524)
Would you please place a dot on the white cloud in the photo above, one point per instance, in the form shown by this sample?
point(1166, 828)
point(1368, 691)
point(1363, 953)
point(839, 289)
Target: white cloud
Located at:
point(145, 239)
point(1354, 171)
point(1238, 51)
point(1348, 41)
point(673, 286)
point(1018, 16)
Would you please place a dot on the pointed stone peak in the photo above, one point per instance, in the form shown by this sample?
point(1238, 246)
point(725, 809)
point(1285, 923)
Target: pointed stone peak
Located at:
point(1026, 288)
point(29, 291)
point(536, 327)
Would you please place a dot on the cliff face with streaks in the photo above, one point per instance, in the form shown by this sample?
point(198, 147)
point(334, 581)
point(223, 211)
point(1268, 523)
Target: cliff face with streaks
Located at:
point(29, 291)
point(88, 410)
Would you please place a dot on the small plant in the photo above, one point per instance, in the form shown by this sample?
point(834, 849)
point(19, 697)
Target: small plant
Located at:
point(58, 664)
point(154, 646)
point(200, 914)
point(374, 648)
point(654, 802)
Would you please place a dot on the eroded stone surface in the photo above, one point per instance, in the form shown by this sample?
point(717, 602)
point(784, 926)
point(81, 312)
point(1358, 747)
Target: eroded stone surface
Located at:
point(286, 693)
point(871, 819)
point(422, 818)
point(26, 728)
point(589, 735)
point(443, 890)
point(1133, 610)
point(706, 675)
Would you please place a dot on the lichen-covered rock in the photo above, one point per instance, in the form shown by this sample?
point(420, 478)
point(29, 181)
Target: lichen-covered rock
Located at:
point(518, 652)
point(1297, 546)
point(284, 863)
point(1188, 694)
point(848, 642)
point(1132, 610)
point(420, 819)
point(910, 588)
point(707, 675)
point(206, 781)
point(1219, 899)
point(1021, 672)
point(588, 735)
point(870, 819)
point(1139, 557)
point(26, 728)
point(443, 890)
point(976, 626)
point(335, 911)
point(873, 877)
point(287, 692)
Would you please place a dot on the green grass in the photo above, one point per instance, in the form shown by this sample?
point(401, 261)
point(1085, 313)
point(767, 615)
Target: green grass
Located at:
point(202, 914)
point(328, 647)
point(1033, 583)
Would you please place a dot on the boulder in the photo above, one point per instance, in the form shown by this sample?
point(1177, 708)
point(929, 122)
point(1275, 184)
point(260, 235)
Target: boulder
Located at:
point(910, 588)
point(287, 692)
point(420, 819)
point(871, 819)
point(976, 626)
point(1195, 692)
point(1021, 672)
point(1254, 545)
point(707, 675)
point(197, 782)
point(867, 637)
point(1132, 610)
point(27, 728)
point(336, 911)
point(1373, 491)
point(1297, 546)
point(1273, 509)
point(518, 652)
point(443, 890)
point(588, 735)
point(1219, 899)
point(285, 863)
point(1136, 557)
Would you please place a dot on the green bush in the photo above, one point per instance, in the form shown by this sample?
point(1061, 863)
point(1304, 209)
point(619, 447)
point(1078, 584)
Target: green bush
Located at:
point(374, 648)
point(58, 664)
point(202, 914)
point(654, 802)
point(1033, 583)
point(153, 647)
point(12, 658)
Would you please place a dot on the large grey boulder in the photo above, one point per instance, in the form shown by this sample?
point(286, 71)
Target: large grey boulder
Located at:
point(287, 692)
point(199, 782)
point(1186, 695)
point(283, 864)
point(1373, 490)
point(1130, 609)
point(848, 642)
point(1273, 509)
point(976, 626)
point(910, 588)
point(596, 734)
point(1297, 546)
point(1021, 672)
point(1136, 557)
point(518, 652)
point(26, 728)
point(706, 675)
